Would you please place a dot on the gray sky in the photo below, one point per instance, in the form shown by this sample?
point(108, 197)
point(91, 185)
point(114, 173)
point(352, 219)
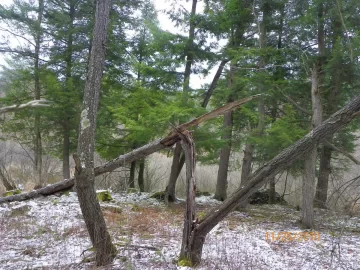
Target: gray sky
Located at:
point(166, 24)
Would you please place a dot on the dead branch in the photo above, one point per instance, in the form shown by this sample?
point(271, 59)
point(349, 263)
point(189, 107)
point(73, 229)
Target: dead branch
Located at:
point(30, 104)
point(346, 154)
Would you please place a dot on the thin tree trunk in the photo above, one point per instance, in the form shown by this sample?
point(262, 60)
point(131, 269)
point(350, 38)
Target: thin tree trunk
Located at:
point(308, 187)
point(141, 175)
point(132, 174)
point(176, 167)
point(68, 75)
point(323, 179)
point(222, 182)
point(283, 160)
point(272, 191)
point(326, 153)
point(66, 151)
point(8, 184)
point(171, 188)
point(84, 160)
point(37, 143)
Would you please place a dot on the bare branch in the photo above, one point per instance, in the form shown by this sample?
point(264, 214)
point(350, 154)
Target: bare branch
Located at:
point(33, 103)
point(346, 154)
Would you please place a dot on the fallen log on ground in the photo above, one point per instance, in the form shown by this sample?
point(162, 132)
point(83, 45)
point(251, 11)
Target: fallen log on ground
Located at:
point(136, 154)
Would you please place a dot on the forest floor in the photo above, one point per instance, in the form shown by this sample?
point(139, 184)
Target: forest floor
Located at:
point(49, 233)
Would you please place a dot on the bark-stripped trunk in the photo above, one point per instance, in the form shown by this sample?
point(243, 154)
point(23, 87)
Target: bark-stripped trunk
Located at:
point(141, 175)
point(37, 140)
point(189, 217)
point(84, 160)
point(68, 75)
point(308, 186)
point(222, 182)
point(283, 160)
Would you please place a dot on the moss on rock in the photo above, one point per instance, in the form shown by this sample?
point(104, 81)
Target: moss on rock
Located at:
point(104, 196)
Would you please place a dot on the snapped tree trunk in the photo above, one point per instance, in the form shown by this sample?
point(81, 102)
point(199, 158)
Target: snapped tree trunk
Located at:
point(222, 182)
point(283, 160)
point(105, 251)
point(125, 159)
point(189, 217)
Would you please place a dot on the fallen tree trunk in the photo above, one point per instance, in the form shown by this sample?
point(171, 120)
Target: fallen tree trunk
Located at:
point(266, 172)
point(136, 154)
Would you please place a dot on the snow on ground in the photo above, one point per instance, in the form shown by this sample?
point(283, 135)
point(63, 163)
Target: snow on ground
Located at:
point(49, 233)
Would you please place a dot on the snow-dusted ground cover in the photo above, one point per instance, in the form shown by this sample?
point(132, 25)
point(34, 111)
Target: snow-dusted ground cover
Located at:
point(49, 233)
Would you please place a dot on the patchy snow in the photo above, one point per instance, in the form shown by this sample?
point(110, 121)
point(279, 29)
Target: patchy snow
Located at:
point(49, 233)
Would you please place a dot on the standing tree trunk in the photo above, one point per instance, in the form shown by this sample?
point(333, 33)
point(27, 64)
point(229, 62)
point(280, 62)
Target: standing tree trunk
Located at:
point(8, 184)
point(132, 174)
point(222, 182)
point(84, 160)
point(177, 165)
point(283, 160)
point(272, 190)
point(308, 187)
point(333, 100)
point(141, 175)
point(37, 141)
point(68, 88)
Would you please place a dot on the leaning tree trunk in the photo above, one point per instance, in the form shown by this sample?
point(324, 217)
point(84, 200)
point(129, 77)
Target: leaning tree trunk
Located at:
point(125, 159)
point(283, 160)
point(84, 160)
point(222, 182)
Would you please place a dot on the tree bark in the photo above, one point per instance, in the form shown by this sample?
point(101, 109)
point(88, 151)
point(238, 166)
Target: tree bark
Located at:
point(105, 251)
point(68, 75)
point(141, 175)
point(37, 90)
point(132, 174)
point(8, 184)
point(222, 182)
point(170, 195)
point(136, 154)
point(272, 190)
point(323, 179)
point(308, 186)
point(283, 160)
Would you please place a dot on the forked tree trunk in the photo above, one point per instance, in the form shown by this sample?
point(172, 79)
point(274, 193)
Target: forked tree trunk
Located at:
point(283, 160)
point(222, 182)
point(105, 251)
